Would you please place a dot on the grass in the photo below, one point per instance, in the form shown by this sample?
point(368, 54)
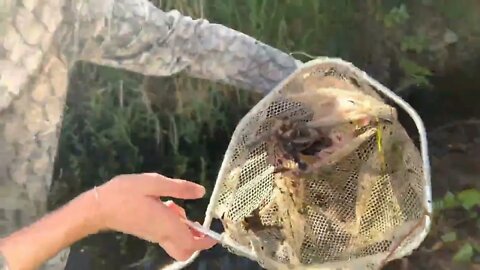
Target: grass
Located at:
point(120, 122)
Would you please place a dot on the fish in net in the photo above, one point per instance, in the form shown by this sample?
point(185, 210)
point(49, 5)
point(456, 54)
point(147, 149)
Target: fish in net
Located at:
point(320, 174)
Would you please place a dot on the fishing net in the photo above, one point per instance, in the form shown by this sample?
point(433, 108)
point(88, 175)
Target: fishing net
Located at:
point(320, 174)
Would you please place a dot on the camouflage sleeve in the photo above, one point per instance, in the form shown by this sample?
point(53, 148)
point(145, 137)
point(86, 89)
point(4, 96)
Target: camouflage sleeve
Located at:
point(3, 263)
point(137, 36)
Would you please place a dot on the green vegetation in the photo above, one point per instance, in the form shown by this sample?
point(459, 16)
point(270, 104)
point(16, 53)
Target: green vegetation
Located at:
point(120, 122)
point(457, 217)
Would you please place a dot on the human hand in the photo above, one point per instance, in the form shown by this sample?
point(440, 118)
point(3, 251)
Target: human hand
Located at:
point(131, 204)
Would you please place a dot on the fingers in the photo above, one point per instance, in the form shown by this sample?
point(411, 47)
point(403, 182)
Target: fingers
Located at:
point(173, 234)
point(204, 242)
point(184, 252)
point(181, 212)
point(161, 186)
point(179, 253)
point(176, 208)
point(196, 233)
point(151, 219)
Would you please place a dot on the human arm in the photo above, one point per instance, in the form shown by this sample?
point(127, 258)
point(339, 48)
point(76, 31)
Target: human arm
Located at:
point(128, 204)
point(137, 36)
point(29, 247)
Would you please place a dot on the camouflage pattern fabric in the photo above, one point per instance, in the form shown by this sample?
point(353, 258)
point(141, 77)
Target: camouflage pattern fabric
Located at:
point(41, 40)
point(3, 263)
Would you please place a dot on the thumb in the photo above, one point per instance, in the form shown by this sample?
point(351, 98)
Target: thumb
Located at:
point(176, 208)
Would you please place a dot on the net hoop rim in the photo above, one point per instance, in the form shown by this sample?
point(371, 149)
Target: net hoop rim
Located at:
point(404, 250)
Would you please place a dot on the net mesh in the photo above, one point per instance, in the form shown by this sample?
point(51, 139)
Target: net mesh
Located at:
point(320, 173)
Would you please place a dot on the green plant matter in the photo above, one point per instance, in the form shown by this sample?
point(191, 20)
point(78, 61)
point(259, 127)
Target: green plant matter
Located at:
point(452, 234)
point(111, 128)
point(396, 16)
point(120, 122)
